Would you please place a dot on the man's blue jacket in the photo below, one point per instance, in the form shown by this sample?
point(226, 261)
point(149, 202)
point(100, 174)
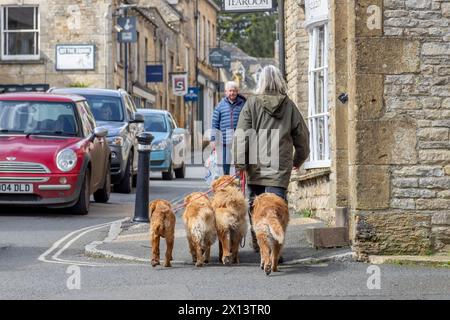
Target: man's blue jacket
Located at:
point(224, 114)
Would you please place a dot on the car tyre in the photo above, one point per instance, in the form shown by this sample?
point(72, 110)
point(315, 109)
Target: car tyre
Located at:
point(126, 184)
point(180, 173)
point(82, 205)
point(169, 175)
point(102, 195)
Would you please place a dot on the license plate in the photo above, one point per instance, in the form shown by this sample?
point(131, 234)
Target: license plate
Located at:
point(16, 188)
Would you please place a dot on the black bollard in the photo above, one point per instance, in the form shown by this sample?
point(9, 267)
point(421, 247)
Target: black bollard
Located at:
point(141, 205)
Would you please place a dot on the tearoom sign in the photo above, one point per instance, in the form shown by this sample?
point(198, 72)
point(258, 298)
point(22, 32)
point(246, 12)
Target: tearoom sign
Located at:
point(247, 5)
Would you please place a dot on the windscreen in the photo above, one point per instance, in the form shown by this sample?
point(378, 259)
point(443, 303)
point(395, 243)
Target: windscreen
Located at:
point(38, 117)
point(155, 123)
point(106, 108)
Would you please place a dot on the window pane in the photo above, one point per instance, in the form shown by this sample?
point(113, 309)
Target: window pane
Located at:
point(318, 92)
point(21, 43)
point(21, 18)
point(321, 138)
point(320, 54)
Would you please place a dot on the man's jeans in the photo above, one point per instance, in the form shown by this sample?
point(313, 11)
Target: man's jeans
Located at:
point(226, 158)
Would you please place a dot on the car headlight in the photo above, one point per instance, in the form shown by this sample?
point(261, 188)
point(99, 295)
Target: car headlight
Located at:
point(161, 145)
point(66, 160)
point(177, 138)
point(115, 141)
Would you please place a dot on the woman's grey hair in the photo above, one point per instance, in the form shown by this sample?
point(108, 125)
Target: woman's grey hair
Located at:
point(270, 81)
point(231, 84)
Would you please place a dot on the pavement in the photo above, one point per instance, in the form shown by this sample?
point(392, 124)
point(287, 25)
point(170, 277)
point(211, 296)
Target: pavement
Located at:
point(130, 241)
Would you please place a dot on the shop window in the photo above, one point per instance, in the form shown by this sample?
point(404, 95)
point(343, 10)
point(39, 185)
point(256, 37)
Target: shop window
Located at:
point(318, 115)
point(19, 33)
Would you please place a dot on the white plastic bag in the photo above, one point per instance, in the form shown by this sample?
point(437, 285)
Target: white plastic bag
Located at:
point(212, 170)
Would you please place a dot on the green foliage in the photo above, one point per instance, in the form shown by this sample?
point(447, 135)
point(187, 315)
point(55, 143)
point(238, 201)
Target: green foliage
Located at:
point(306, 213)
point(79, 84)
point(254, 33)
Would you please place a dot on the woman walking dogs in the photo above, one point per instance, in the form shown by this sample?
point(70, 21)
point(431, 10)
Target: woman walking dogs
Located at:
point(269, 115)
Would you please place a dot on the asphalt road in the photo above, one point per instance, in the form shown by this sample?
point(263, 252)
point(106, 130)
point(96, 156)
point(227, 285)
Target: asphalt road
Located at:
point(34, 265)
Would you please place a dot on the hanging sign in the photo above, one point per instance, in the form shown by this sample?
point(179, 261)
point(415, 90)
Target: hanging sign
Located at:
point(315, 11)
point(179, 83)
point(247, 5)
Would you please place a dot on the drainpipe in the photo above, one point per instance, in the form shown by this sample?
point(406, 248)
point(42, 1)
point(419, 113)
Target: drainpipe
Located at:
point(281, 37)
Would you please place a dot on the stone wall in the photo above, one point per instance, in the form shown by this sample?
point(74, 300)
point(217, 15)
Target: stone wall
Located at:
point(311, 192)
point(63, 22)
point(297, 47)
point(400, 196)
point(391, 141)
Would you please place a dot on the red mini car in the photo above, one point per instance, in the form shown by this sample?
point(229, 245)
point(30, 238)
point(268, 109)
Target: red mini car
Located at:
point(51, 153)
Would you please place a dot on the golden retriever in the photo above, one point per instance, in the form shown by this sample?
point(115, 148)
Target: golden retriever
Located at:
point(200, 227)
point(162, 224)
point(230, 209)
point(270, 219)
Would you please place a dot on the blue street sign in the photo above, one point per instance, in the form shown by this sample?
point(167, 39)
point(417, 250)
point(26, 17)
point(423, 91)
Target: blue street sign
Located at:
point(154, 73)
point(191, 95)
point(128, 32)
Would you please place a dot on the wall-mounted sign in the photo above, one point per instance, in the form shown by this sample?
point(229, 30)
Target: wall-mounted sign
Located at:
point(127, 29)
point(179, 83)
point(247, 5)
point(219, 58)
point(315, 11)
point(154, 73)
point(192, 94)
point(75, 57)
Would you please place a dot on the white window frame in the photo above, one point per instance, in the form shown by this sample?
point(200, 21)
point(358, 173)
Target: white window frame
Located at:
point(315, 159)
point(3, 32)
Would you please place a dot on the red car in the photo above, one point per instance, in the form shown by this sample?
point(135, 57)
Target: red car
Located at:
point(51, 153)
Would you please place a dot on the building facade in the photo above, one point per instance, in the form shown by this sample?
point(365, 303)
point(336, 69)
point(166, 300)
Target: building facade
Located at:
point(50, 43)
point(371, 78)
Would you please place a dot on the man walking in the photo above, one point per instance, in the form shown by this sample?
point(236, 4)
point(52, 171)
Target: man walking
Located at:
point(225, 119)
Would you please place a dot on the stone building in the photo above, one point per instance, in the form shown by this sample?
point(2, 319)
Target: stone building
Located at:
point(75, 43)
point(372, 79)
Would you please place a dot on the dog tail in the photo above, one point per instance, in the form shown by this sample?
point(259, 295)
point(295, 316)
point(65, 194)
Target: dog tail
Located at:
point(275, 227)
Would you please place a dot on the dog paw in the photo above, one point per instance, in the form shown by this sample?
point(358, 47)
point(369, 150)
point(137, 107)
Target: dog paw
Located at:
point(226, 261)
point(262, 266)
point(199, 264)
point(268, 269)
point(155, 263)
point(167, 264)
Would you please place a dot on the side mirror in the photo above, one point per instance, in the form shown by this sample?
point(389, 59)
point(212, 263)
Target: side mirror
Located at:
point(100, 132)
point(137, 118)
point(179, 131)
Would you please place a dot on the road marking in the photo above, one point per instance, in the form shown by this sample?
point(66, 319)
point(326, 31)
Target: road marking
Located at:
point(55, 258)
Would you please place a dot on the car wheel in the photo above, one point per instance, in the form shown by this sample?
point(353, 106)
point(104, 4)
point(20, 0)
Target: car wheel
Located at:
point(180, 173)
point(169, 175)
point(102, 195)
point(82, 205)
point(126, 185)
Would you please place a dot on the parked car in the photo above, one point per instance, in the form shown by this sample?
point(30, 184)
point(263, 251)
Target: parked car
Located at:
point(168, 149)
point(52, 153)
point(114, 110)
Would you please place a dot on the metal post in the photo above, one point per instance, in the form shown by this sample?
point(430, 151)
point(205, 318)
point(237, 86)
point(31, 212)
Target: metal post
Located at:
point(281, 52)
point(126, 58)
point(142, 188)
